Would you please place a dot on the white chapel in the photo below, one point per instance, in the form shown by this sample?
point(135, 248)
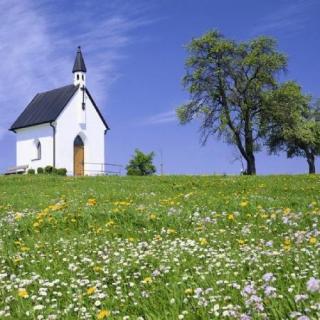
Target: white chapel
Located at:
point(63, 128)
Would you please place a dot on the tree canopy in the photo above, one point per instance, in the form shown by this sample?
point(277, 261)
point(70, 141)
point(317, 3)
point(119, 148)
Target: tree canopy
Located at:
point(294, 123)
point(227, 82)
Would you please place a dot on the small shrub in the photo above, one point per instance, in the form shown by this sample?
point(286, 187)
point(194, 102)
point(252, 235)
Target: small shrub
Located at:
point(141, 164)
point(31, 171)
point(40, 170)
point(54, 171)
point(48, 169)
point(62, 171)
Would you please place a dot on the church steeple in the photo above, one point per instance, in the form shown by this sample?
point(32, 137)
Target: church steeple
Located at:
point(79, 69)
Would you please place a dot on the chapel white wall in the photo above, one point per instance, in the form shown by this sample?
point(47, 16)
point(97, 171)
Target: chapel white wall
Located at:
point(87, 123)
point(26, 151)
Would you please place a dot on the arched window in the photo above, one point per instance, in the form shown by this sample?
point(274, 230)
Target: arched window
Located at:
point(77, 76)
point(38, 146)
point(82, 77)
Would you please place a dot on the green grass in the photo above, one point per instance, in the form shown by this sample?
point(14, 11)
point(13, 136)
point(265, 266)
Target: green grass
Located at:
point(159, 247)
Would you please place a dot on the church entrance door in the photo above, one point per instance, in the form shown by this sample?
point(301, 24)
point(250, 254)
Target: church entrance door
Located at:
point(78, 151)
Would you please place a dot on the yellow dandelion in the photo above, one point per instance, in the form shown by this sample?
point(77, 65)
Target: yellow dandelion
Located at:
point(91, 202)
point(230, 217)
point(23, 293)
point(97, 269)
point(157, 237)
point(147, 280)
point(188, 291)
point(241, 242)
point(313, 240)
point(18, 216)
point(287, 242)
point(286, 210)
point(91, 290)
point(244, 203)
point(171, 231)
point(152, 216)
point(203, 241)
point(110, 223)
point(103, 313)
point(200, 228)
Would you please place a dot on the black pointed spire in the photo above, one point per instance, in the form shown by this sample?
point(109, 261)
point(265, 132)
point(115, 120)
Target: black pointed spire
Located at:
point(79, 62)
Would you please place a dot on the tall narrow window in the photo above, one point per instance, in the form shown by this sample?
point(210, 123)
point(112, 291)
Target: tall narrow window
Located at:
point(38, 146)
point(77, 76)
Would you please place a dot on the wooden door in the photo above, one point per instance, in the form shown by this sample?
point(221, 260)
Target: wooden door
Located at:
point(78, 157)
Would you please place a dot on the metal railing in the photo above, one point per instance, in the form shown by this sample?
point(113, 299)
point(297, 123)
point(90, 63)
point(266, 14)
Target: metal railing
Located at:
point(98, 168)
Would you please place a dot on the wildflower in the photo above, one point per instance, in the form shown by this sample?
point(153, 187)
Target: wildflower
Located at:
point(286, 210)
point(268, 277)
point(188, 291)
point(203, 241)
point(244, 203)
point(230, 217)
point(103, 313)
point(313, 285)
point(152, 216)
point(147, 280)
point(287, 244)
point(171, 231)
point(270, 291)
point(23, 293)
point(91, 290)
point(300, 297)
point(91, 202)
point(38, 307)
point(18, 216)
point(241, 242)
point(200, 227)
point(110, 223)
point(313, 240)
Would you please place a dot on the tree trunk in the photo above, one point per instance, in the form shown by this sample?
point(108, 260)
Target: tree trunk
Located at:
point(251, 165)
point(251, 161)
point(311, 163)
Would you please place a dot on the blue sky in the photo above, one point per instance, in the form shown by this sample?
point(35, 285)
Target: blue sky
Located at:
point(134, 52)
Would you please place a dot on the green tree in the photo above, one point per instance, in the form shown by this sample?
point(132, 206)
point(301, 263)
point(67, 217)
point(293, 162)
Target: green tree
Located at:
point(294, 124)
point(141, 164)
point(227, 82)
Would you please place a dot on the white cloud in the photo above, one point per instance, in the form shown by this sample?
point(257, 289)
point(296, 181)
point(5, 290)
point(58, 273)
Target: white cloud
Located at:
point(161, 118)
point(38, 45)
point(290, 18)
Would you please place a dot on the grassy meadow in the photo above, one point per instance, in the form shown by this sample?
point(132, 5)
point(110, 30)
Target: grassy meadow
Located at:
point(171, 247)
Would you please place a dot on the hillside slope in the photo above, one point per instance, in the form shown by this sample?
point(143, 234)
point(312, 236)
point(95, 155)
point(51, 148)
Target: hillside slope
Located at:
point(160, 247)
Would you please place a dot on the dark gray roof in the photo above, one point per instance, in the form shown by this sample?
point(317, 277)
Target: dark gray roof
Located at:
point(45, 107)
point(79, 64)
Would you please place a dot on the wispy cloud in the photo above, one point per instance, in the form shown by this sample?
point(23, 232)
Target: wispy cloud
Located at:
point(290, 18)
point(38, 44)
point(161, 118)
